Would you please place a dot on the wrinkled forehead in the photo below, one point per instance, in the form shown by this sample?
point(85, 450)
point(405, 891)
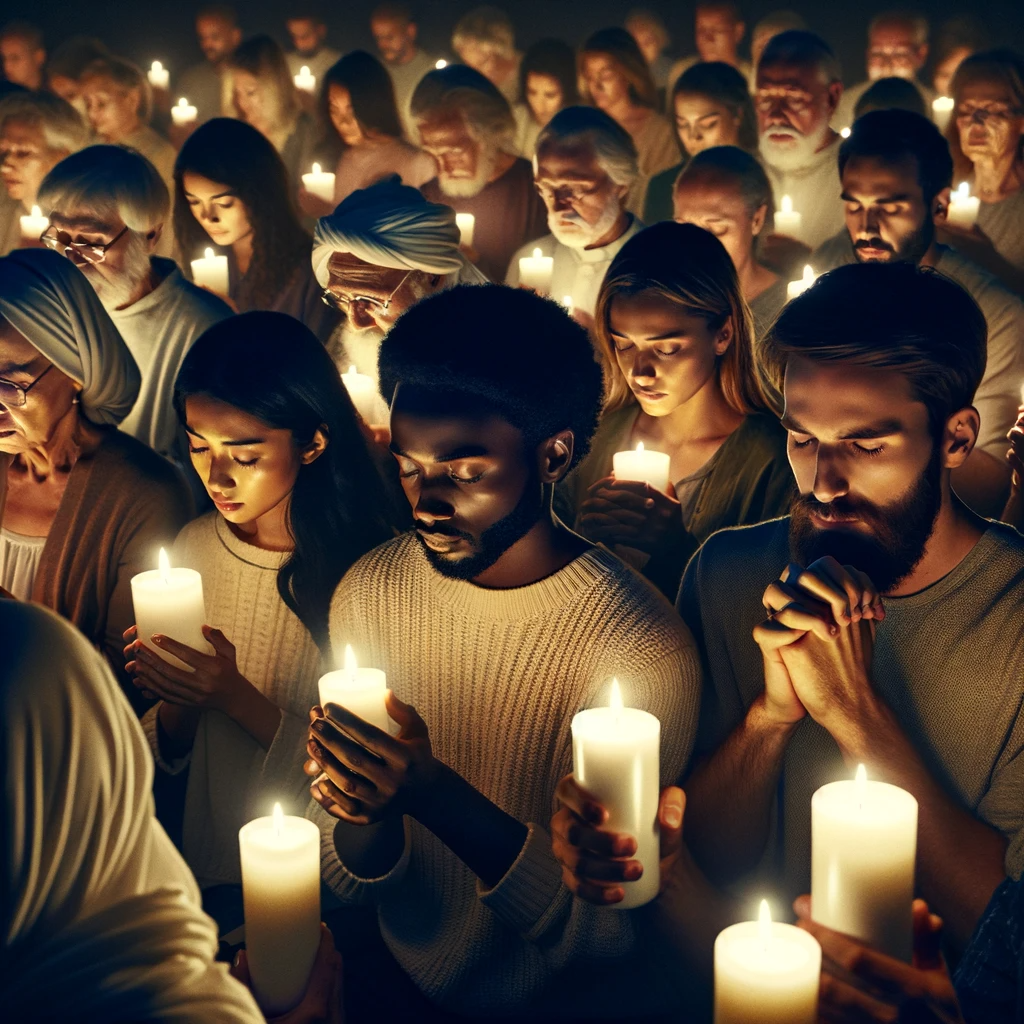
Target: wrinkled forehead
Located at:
point(347, 269)
point(802, 75)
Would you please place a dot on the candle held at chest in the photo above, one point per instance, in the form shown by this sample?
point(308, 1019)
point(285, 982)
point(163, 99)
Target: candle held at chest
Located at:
point(788, 220)
point(766, 973)
point(33, 225)
point(305, 80)
point(211, 272)
point(795, 288)
point(466, 224)
point(359, 690)
point(170, 601)
point(280, 858)
point(863, 846)
point(320, 183)
point(535, 272)
point(616, 757)
point(159, 77)
point(643, 465)
point(183, 113)
point(963, 207)
point(942, 111)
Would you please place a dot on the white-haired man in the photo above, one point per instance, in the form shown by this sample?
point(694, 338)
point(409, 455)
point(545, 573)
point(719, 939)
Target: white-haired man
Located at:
point(467, 126)
point(584, 166)
point(485, 40)
point(107, 207)
point(382, 250)
point(798, 87)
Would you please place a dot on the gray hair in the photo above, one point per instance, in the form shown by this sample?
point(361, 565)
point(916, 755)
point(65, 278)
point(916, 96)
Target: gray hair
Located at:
point(918, 23)
point(488, 26)
point(804, 49)
point(613, 145)
point(108, 179)
point(458, 89)
point(62, 126)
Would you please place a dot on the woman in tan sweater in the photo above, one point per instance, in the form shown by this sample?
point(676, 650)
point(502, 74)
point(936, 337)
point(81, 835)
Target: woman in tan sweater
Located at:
point(83, 507)
point(297, 500)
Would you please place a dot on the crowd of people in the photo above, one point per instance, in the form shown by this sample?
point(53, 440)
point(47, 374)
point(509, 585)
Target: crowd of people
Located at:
point(530, 262)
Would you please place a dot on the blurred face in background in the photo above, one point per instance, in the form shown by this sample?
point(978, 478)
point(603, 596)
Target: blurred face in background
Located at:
point(606, 82)
point(647, 37)
point(544, 96)
point(718, 34)
point(989, 122)
point(894, 52)
point(22, 62)
point(113, 111)
point(307, 35)
point(256, 100)
point(339, 103)
point(702, 122)
point(718, 206)
point(25, 158)
point(491, 61)
point(395, 39)
point(217, 38)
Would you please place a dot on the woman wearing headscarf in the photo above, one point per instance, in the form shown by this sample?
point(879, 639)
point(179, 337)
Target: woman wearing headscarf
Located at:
point(83, 507)
point(101, 918)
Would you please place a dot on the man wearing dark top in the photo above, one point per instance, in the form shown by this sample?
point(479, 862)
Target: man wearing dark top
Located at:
point(467, 126)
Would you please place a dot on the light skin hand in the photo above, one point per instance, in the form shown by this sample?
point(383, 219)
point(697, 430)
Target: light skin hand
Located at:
point(629, 512)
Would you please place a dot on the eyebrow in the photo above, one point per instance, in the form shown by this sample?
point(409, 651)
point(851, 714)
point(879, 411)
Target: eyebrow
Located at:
point(466, 451)
point(867, 433)
point(659, 337)
point(219, 195)
point(242, 441)
point(901, 198)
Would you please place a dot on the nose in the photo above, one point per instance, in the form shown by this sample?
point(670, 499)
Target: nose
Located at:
point(428, 506)
point(560, 203)
point(829, 480)
point(359, 317)
point(220, 475)
point(643, 370)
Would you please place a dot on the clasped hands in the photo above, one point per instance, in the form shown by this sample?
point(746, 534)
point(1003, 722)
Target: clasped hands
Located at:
point(629, 512)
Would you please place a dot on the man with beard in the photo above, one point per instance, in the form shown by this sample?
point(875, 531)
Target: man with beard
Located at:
point(584, 166)
point(798, 87)
point(467, 126)
point(108, 206)
point(896, 172)
point(498, 623)
point(218, 34)
point(396, 33)
point(922, 684)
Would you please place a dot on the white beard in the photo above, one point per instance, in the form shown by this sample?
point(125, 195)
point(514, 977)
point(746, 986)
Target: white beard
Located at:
point(468, 188)
point(790, 156)
point(115, 293)
point(573, 231)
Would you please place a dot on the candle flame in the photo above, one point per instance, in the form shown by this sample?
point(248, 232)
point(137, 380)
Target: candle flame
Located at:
point(441, 64)
point(943, 103)
point(764, 923)
point(36, 212)
point(787, 204)
point(845, 133)
point(157, 66)
point(278, 817)
point(208, 253)
point(615, 701)
point(165, 566)
point(303, 71)
point(350, 659)
point(963, 191)
point(537, 254)
point(316, 169)
point(183, 102)
point(567, 301)
point(351, 370)
point(808, 273)
point(639, 446)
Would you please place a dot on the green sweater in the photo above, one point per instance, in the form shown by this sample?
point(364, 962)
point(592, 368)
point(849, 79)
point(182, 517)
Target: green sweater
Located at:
point(749, 482)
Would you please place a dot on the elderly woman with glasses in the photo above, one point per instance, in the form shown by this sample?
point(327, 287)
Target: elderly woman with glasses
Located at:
point(231, 193)
point(83, 506)
point(986, 139)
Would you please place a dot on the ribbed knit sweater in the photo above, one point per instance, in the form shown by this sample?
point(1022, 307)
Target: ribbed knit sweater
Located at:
point(497, 676)
point(232, 778)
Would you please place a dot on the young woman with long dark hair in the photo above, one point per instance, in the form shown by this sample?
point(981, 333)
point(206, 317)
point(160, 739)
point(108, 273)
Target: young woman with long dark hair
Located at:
point(276, 443)
point(231, 189)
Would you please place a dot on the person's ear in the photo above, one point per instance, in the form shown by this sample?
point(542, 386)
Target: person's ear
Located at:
point(554, 456)
point(724, 337)
point(940, 206)
point(758, 219)
point(959, 437)
point(153, 237)
point(317, 446)
point(835, 94)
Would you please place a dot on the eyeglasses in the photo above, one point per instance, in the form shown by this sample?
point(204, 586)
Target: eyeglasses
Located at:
point(339, 302)
point(12, 396)
point(79, 253)
point(968, 115)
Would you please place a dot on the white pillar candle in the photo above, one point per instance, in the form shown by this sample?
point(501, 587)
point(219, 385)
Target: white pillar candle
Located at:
point(466, 223)
point(963, 207)
point(863, 846)
point(183, 112)
point(359, 690)
point(363, 392)
point(615, 753)
point(281, 897)
point(211, 272)
point(535, 272)
point(305, 80)
point(320, 183)
point(170, 601)
point(795, 288)
point(33, 224)
point(766, 973)
point(942, 111)
point(788, 220)
point(159, 77)
point(643, 465)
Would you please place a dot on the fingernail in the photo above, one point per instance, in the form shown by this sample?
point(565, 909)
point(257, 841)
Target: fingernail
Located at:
point(318, 725)
point(315, 749)
point(625, 847)
point(634, 870)
point(673, 818)
point(158, 638)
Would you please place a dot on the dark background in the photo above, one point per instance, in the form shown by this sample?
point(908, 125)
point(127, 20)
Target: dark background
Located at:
point(148, 30)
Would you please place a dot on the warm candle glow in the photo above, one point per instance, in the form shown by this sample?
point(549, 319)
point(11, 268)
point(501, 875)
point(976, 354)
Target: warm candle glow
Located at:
point(536, 254)
point(860, 781)
point(764, 923)
point(808, 273)
point(441, 64)
point(316, 169)
point(304, 71)
point(845, 133)
point(36, 212)
point(208, 254)
point(639, 446)
point(567, 301)
point(183, 102)
point(165, 566)
point(278, 821)
point(963, 190)
point(351, 369)
point(350, 659)
point(787, 204)
point(615, 702)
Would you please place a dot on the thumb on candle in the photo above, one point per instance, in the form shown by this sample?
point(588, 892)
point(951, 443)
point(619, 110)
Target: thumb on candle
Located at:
point(404, 715)
point(927, 937)
point(671, 808)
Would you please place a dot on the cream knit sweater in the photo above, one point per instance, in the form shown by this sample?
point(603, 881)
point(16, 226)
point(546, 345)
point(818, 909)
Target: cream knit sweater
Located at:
point(497, 675)
point(232, 778)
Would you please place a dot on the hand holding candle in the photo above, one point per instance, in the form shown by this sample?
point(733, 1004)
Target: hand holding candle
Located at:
point(652, 468)
point(211, 272)
point(359, 690)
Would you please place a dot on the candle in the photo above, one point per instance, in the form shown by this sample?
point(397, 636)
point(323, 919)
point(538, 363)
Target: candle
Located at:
point(466, 223)
point(535, 272)
point(440, 64)
point(795, 288)
point(320, 183)
point(33, 224)
point(845, 132)
point(170, 601)
point(183, 112)
point(363, 392)
point(616, 758)
point(963, 207)
point(304, 80)
point(159, 77)
point(942, 111)
point(211, 272)
point(359, 690)
point(281, 897)
point(644, 465)
point(787, 220)
point(863, 845)
point(766, 973)
point(567, 304)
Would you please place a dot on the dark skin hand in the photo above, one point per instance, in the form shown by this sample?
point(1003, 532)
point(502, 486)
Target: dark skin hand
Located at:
point(629, 512)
